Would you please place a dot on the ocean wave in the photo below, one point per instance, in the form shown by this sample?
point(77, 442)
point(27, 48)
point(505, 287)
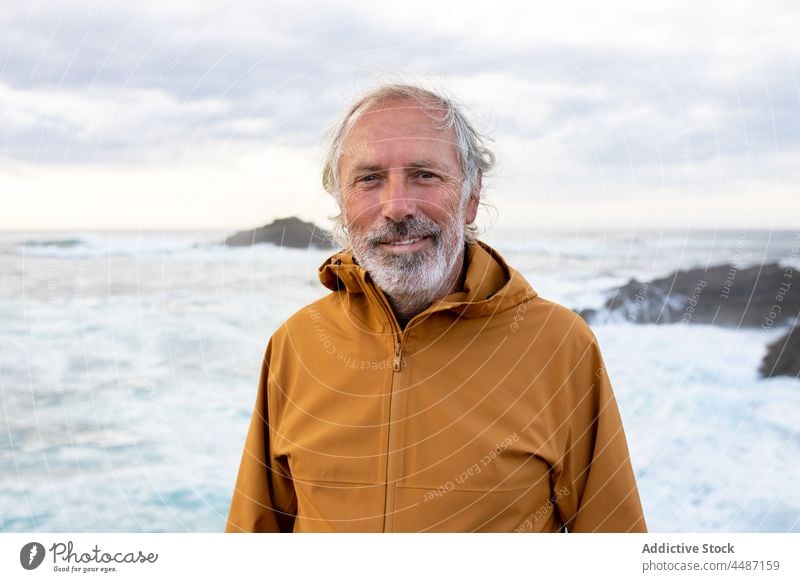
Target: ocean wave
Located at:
point(113, 244)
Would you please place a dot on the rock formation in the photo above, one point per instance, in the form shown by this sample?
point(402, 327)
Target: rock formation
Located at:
point(760, 296)
point(286, 232)
point(783, 356)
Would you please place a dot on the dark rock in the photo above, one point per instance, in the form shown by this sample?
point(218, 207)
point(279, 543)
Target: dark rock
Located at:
point(723, 295)
point(783, 356)
point(286, 232)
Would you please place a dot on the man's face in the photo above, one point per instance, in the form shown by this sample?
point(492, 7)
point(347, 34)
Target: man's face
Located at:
point(400, 182)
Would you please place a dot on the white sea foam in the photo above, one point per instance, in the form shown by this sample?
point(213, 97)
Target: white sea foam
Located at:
point(103, 244)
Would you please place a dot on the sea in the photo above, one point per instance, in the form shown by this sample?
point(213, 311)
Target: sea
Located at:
point(129, 362)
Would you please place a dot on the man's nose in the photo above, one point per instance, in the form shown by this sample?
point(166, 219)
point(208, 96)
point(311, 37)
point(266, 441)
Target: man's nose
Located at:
point(396, 201)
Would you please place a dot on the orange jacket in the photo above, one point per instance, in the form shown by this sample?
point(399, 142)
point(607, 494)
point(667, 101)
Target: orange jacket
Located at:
point(490, 411)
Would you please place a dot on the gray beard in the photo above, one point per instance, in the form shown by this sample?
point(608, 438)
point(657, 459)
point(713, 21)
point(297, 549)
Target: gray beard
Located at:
point(413, 281)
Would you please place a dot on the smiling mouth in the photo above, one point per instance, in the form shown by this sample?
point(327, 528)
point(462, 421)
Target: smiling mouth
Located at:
point(406, 245)
point(404, 242)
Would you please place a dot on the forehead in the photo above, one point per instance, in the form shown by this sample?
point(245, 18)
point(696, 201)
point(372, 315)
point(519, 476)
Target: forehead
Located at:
point(398, 130)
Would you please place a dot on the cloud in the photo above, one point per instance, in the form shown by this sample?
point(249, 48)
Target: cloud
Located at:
point(625, 95)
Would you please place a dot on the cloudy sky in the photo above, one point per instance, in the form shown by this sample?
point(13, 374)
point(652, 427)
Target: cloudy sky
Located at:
point(151, 115)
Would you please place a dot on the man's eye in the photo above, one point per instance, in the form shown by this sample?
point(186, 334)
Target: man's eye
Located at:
point(369, 178)
point(426, 175)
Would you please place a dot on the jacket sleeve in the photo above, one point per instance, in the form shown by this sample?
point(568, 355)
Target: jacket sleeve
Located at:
point(263, 498)
point(595, 487)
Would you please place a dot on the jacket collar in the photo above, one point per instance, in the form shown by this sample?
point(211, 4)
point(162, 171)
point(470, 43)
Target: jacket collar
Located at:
point(490, 285)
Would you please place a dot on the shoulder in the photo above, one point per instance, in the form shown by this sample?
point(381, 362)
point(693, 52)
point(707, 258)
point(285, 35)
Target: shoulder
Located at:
point(549, 317)
point(310, 319)
point(554, 331)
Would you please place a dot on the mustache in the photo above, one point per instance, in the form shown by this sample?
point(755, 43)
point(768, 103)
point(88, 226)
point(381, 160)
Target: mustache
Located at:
point(412, 227)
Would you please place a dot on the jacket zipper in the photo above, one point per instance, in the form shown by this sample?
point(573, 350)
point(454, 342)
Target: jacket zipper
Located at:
point(398, 356)
point(391, 452)
point(391, 445)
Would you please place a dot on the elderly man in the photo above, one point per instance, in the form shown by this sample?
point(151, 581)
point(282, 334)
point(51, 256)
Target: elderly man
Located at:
point(432, 389)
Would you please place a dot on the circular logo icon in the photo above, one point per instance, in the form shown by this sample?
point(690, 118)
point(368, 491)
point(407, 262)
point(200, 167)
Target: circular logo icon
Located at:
point(31, 555)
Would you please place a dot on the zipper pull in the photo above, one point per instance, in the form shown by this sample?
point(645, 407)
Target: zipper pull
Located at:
point(398, 357)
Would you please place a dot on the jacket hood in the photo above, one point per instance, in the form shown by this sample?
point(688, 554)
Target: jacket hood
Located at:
point(490, 285)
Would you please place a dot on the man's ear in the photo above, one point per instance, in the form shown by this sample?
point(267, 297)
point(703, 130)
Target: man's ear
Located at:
point(474, 199)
